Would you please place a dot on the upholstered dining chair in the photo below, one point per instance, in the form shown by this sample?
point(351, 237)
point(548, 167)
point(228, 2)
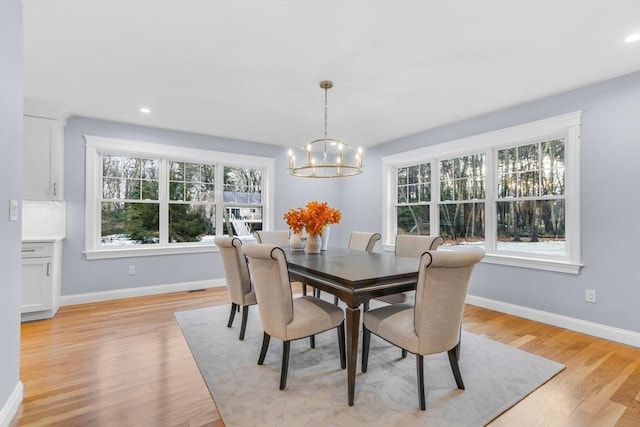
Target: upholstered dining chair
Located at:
point(411, 246)
point(432, 324)
point(236, 272)
point(284, 317)
point(278, 237)
point(363, 240)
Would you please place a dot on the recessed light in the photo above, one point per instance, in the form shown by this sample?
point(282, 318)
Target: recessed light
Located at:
point(632, 38)
point(145, 110)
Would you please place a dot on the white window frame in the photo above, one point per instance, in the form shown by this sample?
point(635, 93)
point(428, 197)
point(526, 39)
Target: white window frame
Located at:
point(565, 126)
point(96, 146)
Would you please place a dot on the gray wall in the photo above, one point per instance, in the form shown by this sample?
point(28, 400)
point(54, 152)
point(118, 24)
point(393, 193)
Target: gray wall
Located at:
point(610, 199)
point(609, 206)
point(11, 94)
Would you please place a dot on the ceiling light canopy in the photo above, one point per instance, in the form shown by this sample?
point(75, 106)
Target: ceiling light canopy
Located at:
point(326, 157)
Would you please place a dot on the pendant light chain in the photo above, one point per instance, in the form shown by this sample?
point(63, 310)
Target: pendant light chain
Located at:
point(325, 112)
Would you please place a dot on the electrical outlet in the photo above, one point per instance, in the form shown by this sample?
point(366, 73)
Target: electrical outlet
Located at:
point(13, 210)
point(590, 295)
point(132, 270)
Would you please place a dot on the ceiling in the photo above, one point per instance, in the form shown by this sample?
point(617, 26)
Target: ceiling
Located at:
point(250, 70)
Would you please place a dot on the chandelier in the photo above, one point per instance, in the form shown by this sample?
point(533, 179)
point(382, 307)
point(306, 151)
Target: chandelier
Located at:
point(326, 157)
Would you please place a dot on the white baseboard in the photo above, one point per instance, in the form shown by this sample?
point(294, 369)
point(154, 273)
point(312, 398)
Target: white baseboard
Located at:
point(139, 292)
point(590, 328)
point(11, 407)
point(596, 329)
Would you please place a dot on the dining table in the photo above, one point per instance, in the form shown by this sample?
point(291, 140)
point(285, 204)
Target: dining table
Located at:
point(354, 277)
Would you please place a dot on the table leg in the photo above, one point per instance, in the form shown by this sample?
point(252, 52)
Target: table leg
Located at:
point(353, 328)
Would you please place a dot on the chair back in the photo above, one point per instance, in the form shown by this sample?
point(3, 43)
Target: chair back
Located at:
point(412, 246)
point(268, 268)
point(441, 291)
point(278, 238)
point(363, 240)
point(235, 268)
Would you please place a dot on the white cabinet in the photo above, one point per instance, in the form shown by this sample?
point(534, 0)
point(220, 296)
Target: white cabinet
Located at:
point(43, 157)
point(41, 279)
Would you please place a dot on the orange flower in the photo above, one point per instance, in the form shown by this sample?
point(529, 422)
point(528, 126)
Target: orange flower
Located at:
point(316, 216)
point(293, 217)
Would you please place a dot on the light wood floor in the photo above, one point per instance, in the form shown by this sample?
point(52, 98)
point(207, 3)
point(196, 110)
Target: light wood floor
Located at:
point(125, 363)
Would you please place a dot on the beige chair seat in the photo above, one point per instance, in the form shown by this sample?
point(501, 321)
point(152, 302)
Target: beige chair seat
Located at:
point(312, 316)
point(395, 323)
point(394, 298)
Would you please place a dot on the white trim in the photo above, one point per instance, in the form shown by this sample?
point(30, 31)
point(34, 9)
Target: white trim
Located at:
point(148, 250)
point(623, 336)
point(152, 250)
point(46, 111)
point(139, 292)
point(519, 261)
point(511, 135)
point(95, 145)
point(10, 408)
point(534, 263)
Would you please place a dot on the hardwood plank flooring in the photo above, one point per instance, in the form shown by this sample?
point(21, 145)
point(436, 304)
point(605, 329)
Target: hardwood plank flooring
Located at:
point(125, 363)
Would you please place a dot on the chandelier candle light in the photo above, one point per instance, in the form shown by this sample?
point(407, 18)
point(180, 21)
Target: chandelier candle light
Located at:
point(326, 157)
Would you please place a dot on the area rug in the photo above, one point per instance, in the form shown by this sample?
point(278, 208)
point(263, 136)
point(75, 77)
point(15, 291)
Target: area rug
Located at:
point(496, 377)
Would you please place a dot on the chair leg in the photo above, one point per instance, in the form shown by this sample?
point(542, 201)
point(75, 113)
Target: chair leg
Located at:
point(343, 357)
point(232, 314)
point(404, 353)
point(365, 307)
point(304, 290)
point(366, 339)
point(245, 316)
point(285, 364)
point(312, 341)
point(453, 361)
point(335, 300)
point(265, 346)
point(420, 372)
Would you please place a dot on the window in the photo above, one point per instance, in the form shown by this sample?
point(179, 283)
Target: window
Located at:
point(150, 199)
point(514, 192)
point(530, 206)
point(413, 186)
point(462, 194)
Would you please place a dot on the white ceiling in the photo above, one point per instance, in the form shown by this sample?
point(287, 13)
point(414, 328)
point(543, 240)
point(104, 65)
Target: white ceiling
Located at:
point(250, 69)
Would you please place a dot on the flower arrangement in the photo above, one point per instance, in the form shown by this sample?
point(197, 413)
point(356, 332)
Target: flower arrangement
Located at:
point(293, 217)
point(314, 217)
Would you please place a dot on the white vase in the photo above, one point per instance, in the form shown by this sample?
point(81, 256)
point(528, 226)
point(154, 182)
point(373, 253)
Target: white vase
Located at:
point(325, 238)
point(296, 242)
point(314, 244)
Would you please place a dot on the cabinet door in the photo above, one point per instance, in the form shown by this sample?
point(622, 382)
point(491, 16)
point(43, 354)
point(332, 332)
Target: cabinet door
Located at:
point(42, 158)
point(37, 284)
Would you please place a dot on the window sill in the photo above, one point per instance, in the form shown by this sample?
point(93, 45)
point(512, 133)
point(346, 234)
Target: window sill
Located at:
point(525, 262)
point(132, 252)
point(533, 263)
